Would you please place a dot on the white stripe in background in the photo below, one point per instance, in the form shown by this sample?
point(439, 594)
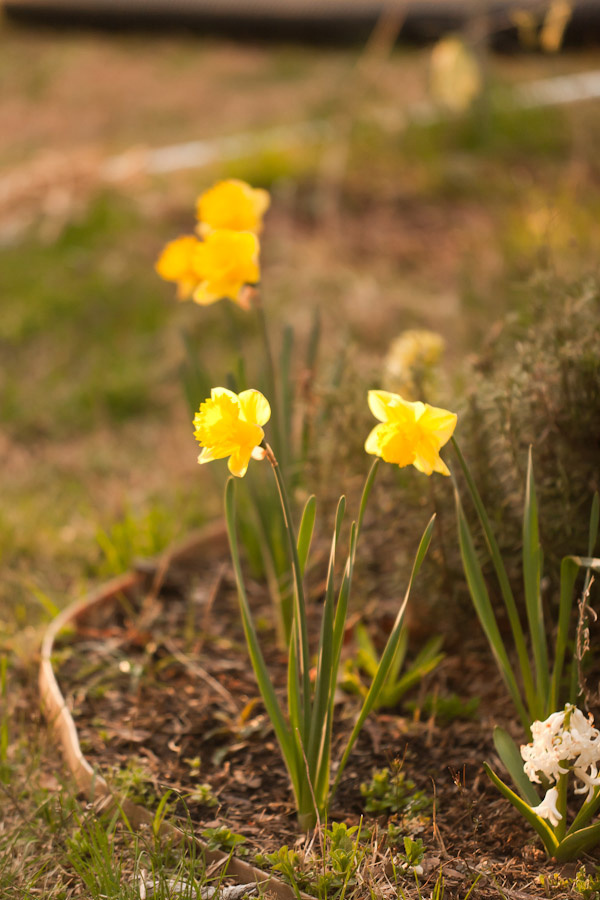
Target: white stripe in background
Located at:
point(195, 154)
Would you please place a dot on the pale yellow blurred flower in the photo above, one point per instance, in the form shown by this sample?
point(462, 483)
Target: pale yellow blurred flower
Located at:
point(455, 75)
point(234, 205)
point(229, 424)
point(410, 362)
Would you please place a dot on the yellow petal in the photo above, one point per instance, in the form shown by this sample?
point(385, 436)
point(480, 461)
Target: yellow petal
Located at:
point(380, 402)
point(372, 442)
point(440, 422)
point(175, 261)
point(238, 461)
point(232, 204)
point(254, 407)
point(203, 296)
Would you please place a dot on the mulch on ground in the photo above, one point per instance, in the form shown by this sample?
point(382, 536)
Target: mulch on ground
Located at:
point(164, 680)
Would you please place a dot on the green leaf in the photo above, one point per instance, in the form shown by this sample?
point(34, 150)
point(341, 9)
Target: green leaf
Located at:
point(568, 575)
point(326, 668)
point(585, 813)
point(485, 613)
point(301, 632)
point(531, 581)
point(305, 532)
point(388, 652)
point(267, 691)
point(539, 824)
point(594, 518)
point(287, 393)
point(505, 589)
point(577, 843)
point(509, 754)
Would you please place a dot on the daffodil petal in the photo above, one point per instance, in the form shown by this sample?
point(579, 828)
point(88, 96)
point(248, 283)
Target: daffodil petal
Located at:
point(238, 461)
point(203, 296)
point(441, 421)
point(372, 442)
point(380, 402)
point(254, 407)
point(217, 392)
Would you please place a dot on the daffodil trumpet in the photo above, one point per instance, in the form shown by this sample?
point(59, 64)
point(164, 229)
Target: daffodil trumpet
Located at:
point(304, 730)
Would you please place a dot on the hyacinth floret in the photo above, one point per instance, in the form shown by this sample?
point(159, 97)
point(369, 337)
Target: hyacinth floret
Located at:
point(564, 742)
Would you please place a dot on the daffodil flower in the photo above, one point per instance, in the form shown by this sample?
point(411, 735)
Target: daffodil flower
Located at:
point(234, 205)
point(176, 263)
point(225, 262)
point(409, 433)
point(229, 424)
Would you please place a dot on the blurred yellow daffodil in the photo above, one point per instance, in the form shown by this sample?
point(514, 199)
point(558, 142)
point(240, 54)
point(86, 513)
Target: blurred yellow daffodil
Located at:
point(409, 433)
point(224, 263)
point(232, 204)
point(229, 424)
point(176, 263)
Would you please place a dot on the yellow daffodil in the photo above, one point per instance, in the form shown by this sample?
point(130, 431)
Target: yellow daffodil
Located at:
point(229, 424)
point(234, 205)
point(409, 433)
point(225, 262)
point(176, 263)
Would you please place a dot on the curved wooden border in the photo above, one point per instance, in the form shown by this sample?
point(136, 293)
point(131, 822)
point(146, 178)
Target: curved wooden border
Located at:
point(89, 781)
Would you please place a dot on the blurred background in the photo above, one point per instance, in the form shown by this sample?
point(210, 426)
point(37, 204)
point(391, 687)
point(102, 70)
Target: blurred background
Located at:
point(432, 165)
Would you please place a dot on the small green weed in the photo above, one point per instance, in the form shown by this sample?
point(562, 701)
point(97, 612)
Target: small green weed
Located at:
point(391, 792)
point(133, 781)
point(329, 877)
point(445, 709)
point(203, 795)
point(223, 838)
point(587, 885)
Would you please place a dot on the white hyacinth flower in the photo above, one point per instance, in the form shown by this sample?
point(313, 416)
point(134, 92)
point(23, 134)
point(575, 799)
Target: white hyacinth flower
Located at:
point(547, 809)
point(557, 749)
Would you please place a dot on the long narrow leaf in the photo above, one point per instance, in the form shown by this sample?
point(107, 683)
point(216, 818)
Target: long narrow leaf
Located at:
point(509, 754)
point(305, 532)
point(539, 824)
point(505, 589)
point(568, 576)
point(485, 613)
point(388, 652)
point(265, 686)
point(577, 843)
point(585, 813)
point(531, 582)
point(287, 395)
point(310, 367)
point(325, 681)
point(303, 653)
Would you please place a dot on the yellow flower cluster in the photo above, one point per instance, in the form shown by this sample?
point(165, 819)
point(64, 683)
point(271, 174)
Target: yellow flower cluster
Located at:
point(225, 259)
